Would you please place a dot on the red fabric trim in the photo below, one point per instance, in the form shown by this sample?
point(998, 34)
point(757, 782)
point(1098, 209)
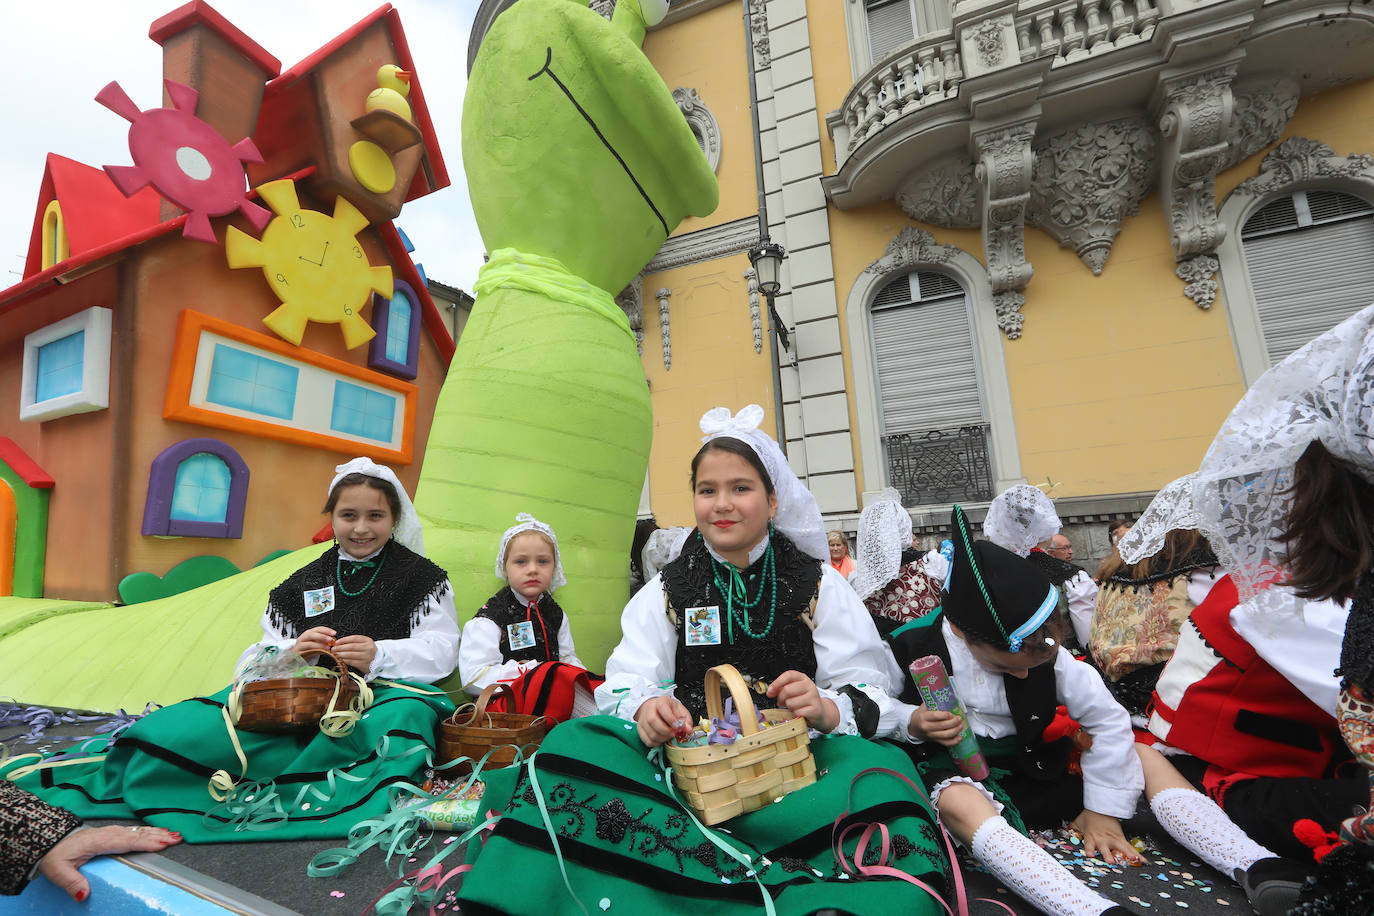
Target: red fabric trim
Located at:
point(24, 466)
point(556, 682)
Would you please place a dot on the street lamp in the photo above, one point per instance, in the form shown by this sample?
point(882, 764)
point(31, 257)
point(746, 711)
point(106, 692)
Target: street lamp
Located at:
point(767, 257)
point(767, 260)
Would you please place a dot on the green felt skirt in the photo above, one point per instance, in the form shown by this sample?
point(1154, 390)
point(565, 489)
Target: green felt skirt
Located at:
point(628, 847)
point(299, 784)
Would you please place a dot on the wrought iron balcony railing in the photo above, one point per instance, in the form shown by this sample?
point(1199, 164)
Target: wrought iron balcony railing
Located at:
point(940, 465)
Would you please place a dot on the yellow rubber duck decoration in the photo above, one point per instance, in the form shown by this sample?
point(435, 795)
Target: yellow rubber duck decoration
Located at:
point(393, 85)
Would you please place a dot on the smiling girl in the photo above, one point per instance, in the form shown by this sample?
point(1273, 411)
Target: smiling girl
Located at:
point(521, 635)
point(753, 587)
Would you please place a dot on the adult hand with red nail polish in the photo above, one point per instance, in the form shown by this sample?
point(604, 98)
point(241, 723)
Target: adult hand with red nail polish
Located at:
point(61, 864)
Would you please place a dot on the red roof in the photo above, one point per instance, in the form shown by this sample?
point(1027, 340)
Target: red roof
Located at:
point(23, 465)
point(285, 84)
point(94, 211)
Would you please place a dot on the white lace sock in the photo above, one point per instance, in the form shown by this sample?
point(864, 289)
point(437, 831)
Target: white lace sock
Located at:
point(1033, 873)
point(1204, 829)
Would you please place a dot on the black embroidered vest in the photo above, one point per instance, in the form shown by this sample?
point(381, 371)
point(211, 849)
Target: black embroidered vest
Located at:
point(1059, 572)
point(504, 609)
point(688, 583)
point(392, 605)
point(1032, 699)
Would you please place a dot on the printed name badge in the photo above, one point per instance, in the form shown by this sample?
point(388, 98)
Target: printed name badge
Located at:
point(319, 601)
point(703, 626)
point(520, 635)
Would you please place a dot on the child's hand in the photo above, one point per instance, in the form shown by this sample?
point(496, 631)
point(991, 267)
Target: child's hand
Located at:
point(934, 725)
point(313, 641)
point(1103, 838)
point(798, 694)
point(357, 652)
point(660, 718)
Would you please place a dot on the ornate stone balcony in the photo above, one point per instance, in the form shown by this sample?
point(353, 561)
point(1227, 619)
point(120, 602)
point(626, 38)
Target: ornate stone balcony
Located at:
point(1066, 114)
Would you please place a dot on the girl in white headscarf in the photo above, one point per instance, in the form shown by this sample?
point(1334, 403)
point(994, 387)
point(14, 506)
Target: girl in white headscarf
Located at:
point(371, 598)
point(521, 635)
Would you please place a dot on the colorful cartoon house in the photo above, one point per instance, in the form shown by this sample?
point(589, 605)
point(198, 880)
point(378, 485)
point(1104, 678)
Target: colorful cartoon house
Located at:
point(172, 380)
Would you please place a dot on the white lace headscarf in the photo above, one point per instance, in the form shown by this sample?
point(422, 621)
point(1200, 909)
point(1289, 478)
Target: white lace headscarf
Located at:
point(798, 516)
point(1324, 391)
point(661, 548)
point(407, 531)
point(1020, 518)
point(884, 532)
point(526, 522)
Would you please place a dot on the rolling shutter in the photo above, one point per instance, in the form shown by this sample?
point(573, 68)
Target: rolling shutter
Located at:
point(1311, 263)
point(924, 355)
point(891, 24)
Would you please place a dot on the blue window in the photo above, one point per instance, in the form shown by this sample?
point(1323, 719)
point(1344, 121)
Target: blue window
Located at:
point(363, 412)
point(201, 491)
point(59, 367)
point(254, 383)
point(398, 328)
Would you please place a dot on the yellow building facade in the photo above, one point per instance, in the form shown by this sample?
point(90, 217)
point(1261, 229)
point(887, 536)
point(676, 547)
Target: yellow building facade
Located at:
point(1027, 241)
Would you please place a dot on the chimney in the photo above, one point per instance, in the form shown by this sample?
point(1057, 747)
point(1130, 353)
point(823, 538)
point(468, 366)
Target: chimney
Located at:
point(203, 50)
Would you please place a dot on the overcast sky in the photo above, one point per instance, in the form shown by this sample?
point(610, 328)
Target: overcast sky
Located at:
point(60, 53)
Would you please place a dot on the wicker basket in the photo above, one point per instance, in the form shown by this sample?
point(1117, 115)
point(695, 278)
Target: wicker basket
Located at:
point(720, 781)
point(481, 731)
point(284, 704)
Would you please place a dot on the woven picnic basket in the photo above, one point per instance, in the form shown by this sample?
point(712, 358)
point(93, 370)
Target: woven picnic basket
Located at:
point(473, 734)
point(283, 704)
point(720, 781)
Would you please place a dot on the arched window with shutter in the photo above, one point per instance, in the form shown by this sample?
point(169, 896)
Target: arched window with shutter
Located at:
point(934, 423)
point(1310, 259)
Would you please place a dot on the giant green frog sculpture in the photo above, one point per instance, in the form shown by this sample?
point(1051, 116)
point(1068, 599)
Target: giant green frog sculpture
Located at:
point(579, 165)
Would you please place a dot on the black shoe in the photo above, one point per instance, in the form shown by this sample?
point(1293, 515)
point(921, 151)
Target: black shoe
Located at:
point(1272, 885)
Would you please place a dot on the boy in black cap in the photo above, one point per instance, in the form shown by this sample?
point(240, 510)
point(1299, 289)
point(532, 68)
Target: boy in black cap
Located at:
point(1010, 674)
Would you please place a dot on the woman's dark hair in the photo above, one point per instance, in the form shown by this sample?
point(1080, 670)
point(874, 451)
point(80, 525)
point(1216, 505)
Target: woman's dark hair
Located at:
point(1178, 544)
point(365, 480)
point(1328, 535)
point(1034, 648)
point(734, 447)
point(643, 528)
point(1115, 526)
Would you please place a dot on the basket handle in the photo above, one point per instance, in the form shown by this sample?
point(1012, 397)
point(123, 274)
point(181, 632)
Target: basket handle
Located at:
point(484, 698)
point(739, 692)
point(338, 663)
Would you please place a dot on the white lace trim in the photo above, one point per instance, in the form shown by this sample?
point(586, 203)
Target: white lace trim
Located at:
point(884, 532)
point(526, 522)
point(1020, 518)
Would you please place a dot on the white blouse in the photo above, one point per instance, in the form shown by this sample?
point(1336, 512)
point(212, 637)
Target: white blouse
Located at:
point(479, 658)
point(1112, 775)
point(848, 651)
point(428, 654)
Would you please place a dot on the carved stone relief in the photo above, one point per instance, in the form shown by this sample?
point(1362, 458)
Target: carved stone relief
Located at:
point(631, 302)
point(1195, 119)
point(1088, 180)
point(944, 193)
point(986, 37)
point(758, 29)
point(912, 248)
point(605, 7)
point(1262, 109)
point(1008, 308)
point(755, 313)
point(665, 329)
point(1198, 274)
point(703, 123)
point(1005, 166)
point(1298, 160)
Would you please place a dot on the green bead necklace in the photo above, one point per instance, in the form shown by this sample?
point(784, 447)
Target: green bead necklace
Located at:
point(737, 602)
point(338, 573)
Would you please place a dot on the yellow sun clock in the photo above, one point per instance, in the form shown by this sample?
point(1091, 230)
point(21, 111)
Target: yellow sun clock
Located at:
point(314, 263)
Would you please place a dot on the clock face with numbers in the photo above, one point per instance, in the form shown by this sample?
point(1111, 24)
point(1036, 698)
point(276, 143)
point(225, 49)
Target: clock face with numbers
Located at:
point(314, 263)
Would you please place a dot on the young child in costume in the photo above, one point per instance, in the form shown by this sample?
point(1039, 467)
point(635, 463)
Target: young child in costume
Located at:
point(993, 636)
point(380, 607)
point(752, 587)
point(521, 635)
point(372, 598)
